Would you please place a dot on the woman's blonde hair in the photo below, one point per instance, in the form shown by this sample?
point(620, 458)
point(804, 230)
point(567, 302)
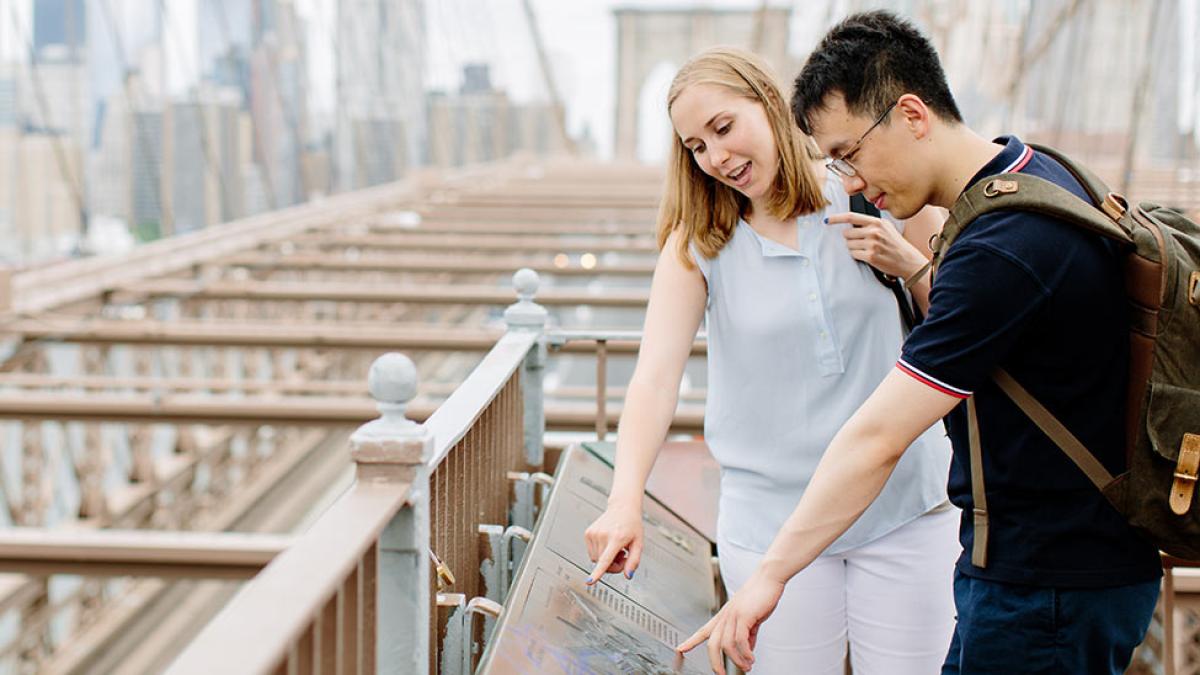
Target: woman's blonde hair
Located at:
point(705, 210)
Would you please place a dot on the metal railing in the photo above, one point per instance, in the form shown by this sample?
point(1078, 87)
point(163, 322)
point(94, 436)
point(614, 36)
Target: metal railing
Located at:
point(423, 491)
point(423, 542)
point(617, 341)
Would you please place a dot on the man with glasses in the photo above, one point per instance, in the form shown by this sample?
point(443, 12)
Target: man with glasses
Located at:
point(1060, 583)
point(841, 165)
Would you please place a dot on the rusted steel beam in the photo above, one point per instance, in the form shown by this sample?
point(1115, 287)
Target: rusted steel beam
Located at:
point(185, 384)
point(528, 201)
point(351, 292)
point(425, 263)
point(299, 388)
point(285, 335)
point(155, 553)
point(252, 334)
point(510, 213)
point(432, 241)
point(56, 285)
point(490, 226)
point(280, 410)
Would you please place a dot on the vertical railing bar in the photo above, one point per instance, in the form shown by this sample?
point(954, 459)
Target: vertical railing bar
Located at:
point(437, 501)
point(1168, 610)
point(327, 660)
point(304, 651)
point(471, 513)
point(601, 389)
point(460, 540)
point(360, 618)
point(370, 569)
point(348, 630)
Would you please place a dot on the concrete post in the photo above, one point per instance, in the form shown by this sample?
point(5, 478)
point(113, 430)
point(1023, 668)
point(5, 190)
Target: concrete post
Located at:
point(527, 315)
point(393, 448)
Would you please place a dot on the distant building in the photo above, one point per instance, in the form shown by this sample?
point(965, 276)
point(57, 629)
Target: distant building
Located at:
point(381, 120)
point(481, 124)
point(60, 23)
point(8, 100)
point(147, 180)
point(43, 213)
point(204, 160)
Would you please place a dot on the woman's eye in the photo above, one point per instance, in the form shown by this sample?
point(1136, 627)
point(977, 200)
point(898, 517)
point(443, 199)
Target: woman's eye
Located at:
point(721, 131)
point(697, 149)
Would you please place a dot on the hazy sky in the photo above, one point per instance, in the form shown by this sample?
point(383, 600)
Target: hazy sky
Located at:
point(580, 36)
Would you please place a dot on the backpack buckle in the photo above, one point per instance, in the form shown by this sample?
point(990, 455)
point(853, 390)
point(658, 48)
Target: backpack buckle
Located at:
point(1186, 469)
point(1000, 186)
point(1194, 289)
point(1114, 206)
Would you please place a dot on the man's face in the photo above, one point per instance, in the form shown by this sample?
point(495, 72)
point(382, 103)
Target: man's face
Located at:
point(880, 157)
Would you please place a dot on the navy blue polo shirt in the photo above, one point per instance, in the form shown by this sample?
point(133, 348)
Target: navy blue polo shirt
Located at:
point(1041, 299)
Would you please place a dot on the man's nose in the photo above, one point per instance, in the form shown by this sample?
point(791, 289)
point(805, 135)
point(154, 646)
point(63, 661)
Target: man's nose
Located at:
point(853, 184)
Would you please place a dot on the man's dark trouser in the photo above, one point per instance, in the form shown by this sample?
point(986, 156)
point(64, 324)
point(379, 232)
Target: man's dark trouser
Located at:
point(1008, 628)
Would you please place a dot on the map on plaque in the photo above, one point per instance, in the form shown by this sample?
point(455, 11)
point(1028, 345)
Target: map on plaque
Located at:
point(554, 623)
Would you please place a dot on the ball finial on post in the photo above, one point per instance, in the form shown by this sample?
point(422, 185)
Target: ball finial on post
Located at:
point(526, 282)
point(393, 438)
point(525, 314)
point(392, 381)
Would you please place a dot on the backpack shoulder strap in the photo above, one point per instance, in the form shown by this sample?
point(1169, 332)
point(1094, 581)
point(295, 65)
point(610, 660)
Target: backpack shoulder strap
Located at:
point(908, 314)
point(1023, 192)
point(1049, 424)
point(1096, 188)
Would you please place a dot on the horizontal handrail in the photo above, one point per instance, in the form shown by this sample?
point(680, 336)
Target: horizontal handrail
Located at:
point(450, 422)
point(563, 337)
point(257, 628)
point(617, 341)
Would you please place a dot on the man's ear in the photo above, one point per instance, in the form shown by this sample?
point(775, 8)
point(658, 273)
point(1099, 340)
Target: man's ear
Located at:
point(916, 115)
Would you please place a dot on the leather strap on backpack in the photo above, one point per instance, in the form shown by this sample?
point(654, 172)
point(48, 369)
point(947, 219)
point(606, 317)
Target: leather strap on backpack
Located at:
point(1185, 474)
point(1050, 426)
point(978, 495)
point(1059, 434)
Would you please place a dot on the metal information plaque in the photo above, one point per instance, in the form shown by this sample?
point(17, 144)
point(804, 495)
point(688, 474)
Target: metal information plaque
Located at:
point(553, 623)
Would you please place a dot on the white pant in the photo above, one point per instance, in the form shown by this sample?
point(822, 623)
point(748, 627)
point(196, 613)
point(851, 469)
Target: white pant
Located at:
point(892, 599)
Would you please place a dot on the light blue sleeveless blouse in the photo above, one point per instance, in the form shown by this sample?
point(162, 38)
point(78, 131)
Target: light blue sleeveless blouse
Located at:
point(797, 340)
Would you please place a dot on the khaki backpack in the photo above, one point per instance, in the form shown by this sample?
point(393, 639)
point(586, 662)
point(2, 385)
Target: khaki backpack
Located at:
point(1162, 422)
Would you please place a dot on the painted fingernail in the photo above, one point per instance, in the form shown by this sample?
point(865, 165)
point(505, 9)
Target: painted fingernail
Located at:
point(826, 221)
point(629, 575)
point(589, 581)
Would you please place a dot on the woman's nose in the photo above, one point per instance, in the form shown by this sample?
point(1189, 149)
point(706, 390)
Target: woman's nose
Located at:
point(719, 155)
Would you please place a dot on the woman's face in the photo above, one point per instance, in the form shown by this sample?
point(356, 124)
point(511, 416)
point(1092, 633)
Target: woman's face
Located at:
point(729, 137)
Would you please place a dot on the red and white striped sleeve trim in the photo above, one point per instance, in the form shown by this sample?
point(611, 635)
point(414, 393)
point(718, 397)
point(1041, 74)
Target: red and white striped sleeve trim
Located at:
point(926, 379)
point(1020, 162)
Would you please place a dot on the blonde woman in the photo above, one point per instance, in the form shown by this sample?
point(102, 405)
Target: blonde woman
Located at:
point(756, 239)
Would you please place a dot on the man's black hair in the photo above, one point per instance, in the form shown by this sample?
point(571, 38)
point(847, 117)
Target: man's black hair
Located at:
point(872, 59)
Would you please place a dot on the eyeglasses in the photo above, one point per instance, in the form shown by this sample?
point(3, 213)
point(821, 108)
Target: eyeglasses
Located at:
point(841, 165)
